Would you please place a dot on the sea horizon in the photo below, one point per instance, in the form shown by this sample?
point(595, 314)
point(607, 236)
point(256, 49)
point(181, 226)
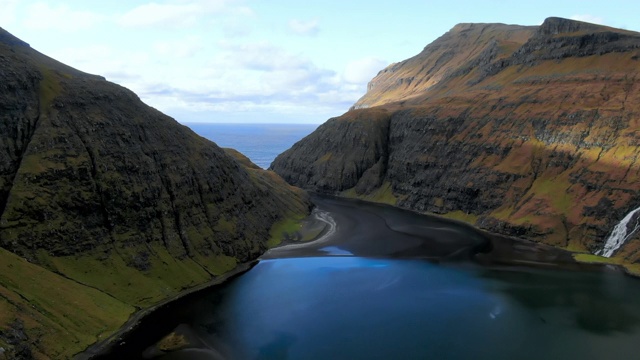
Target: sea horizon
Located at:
point(260, 142)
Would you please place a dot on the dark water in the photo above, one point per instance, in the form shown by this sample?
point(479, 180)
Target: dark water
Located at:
point(259, 142)
point(349, 306)
point(359, 308)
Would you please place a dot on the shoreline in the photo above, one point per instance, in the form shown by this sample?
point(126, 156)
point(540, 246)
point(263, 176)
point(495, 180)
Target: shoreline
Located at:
point(500, 251)
point(498, 239)
point(316, 217)
point(102, 347)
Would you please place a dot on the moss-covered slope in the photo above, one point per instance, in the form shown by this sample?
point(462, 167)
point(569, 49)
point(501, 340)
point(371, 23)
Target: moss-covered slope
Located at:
point(525, 131)
point(108, 206)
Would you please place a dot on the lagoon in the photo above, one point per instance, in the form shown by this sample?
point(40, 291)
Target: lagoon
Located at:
point(395, 284)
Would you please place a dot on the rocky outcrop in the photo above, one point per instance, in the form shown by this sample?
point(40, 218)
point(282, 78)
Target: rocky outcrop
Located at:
point(533, 133)
point(114, 202)
point(321, 162)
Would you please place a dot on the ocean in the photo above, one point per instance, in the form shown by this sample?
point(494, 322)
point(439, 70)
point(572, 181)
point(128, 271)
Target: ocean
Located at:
point(259, 142)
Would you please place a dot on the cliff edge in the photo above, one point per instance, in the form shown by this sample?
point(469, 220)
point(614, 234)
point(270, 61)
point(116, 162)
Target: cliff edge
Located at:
point(524, 131)
point(108, 206)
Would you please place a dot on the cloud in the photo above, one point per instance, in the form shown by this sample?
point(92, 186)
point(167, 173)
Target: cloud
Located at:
point(589, 18)
point(41, 16)
point(181, 48)
point(260, 56)
point(259, 77)
point(125, 68)
point(239, 22)
point(360, 71)
point(309, 28)
point(172, 14)
point(8, 14)
point(188, 75)
point(235, 28)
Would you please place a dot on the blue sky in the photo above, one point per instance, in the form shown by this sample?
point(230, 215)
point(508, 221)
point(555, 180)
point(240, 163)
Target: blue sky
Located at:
point(258, 60)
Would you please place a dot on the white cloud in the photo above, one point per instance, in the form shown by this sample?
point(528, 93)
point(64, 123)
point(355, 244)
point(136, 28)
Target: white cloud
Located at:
point(360, 71)
point(182, 48)
point(41, 16)
point(160, 14)
point(125, 68)
point(589, 18)
point(237, 21)
point(259, 56)
point(187, 75)
point(259, 77)
point(179, 14)
point(300, 27)
point(8, 14)
point(252, 77)
point(236, 29)
point(244, 11)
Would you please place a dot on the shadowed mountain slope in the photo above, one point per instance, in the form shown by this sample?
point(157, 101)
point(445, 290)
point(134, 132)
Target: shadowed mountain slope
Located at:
point(108, 206)
point(524, 131)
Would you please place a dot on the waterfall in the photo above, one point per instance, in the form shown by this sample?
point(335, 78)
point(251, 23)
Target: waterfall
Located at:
point(620, 234)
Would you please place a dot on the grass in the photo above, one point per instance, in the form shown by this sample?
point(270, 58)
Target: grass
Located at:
point(63, 315)
point(217, 264)
point(324, 159)
point(384, 194)
point(282, 229)
point(166, 275)
point(173, 342)
point(49, 88)
point(461, 216)
point(633, 269)
point(67, 303)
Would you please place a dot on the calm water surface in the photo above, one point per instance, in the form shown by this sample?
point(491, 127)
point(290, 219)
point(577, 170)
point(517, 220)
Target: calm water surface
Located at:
point(345, 305)
point(359, 308)
point(259, 142)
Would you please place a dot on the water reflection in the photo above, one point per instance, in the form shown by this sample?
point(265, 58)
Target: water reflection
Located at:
point(278, 348)
point(350, 307)
point(354, 302)
point(602, 303)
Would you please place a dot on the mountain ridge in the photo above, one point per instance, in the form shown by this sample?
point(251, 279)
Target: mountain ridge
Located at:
point(488, 48)
point(527, 132)
point(108, 206)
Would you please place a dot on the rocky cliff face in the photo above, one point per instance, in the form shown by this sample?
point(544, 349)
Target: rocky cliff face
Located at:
point(107, 205)
point(524, 131)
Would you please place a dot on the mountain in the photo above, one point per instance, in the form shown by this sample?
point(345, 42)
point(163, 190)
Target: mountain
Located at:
point(108, 206)
point(526, 131)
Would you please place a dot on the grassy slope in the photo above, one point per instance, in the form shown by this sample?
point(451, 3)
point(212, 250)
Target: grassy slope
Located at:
point(67, 303)
point(65, 316)
point(87, 297)
point(267, 179)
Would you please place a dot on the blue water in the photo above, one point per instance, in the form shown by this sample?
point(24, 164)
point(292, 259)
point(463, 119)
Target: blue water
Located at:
point(359, 308)
point(259, 142)
point(362, 308)
point(340, 303)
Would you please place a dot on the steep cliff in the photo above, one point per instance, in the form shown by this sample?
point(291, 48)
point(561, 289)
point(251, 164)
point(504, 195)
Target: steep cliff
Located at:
point(524, 131)
point(108, 205)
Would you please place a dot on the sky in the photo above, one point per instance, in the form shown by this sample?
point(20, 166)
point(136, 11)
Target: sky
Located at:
point(262, 61)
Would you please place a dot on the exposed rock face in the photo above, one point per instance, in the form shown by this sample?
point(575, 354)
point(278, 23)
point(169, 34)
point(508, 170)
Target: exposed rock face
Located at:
point(462, 49)
point(116, 197)
point(321, 160)
point(525, 131)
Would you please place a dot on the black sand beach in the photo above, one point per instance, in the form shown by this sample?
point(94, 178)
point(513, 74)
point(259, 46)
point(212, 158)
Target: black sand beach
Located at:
point(362, 229)
point(377, 230)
